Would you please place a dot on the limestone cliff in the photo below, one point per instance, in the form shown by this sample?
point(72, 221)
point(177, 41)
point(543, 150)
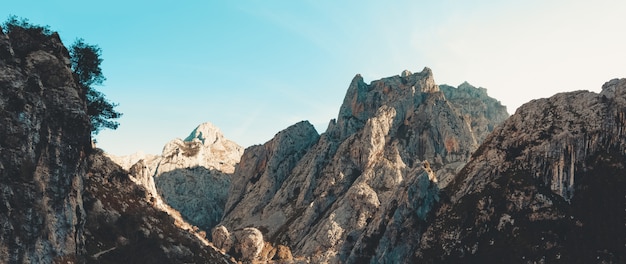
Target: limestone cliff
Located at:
point(192, 175)
point(44, 138)
point(395, 142)
point(60, 200)
point(547, 186)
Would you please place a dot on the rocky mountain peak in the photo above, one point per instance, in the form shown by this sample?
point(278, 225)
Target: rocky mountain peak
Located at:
point(207, 133)
point(362, 100)
point(205, 146)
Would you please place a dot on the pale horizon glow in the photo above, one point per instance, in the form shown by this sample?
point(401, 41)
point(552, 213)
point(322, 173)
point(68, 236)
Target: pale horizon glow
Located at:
point(252, 68)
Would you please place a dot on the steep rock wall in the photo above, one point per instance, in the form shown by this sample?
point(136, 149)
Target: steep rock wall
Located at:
point(44, 136)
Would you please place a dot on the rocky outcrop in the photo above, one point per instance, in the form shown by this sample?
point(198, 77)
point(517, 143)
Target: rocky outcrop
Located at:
point(249, 246)
point(250, 243)
point(60, 200)
point(546, 186)
point(222, 239)
point(348, 193)
point(192, 175)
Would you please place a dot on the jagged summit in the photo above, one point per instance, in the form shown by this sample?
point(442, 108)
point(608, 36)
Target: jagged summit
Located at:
point(207, 133)
point(362, 100)
point(205, 146)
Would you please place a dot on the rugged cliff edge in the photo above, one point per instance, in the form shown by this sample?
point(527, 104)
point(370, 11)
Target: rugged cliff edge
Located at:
point(347, 194)
point(60, 200)
point(548, 186)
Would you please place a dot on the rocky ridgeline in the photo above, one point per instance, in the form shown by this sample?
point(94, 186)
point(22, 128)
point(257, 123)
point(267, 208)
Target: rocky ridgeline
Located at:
point(60, 200)
point(347, 194)
point(192, 176)
point(548, 186)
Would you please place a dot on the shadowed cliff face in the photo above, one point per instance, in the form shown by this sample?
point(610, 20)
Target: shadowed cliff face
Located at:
point(124, 225)
point(546, 186)
point(44, 136)
point(348, 194)
point(198, 193)
point(60, 200)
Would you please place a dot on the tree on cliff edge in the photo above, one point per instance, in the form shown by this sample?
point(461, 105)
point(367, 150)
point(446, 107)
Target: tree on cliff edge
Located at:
point(86, 61)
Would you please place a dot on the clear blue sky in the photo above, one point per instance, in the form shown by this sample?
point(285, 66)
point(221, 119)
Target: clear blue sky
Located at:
point(253, 68)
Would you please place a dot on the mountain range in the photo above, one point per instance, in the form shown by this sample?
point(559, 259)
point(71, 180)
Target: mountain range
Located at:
point(408, 172)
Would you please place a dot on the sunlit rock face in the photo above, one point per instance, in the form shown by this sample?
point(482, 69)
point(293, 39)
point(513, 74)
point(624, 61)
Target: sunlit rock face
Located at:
point(545, 186)
point(349, 193)
point(192, 175)
point(206, 146)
